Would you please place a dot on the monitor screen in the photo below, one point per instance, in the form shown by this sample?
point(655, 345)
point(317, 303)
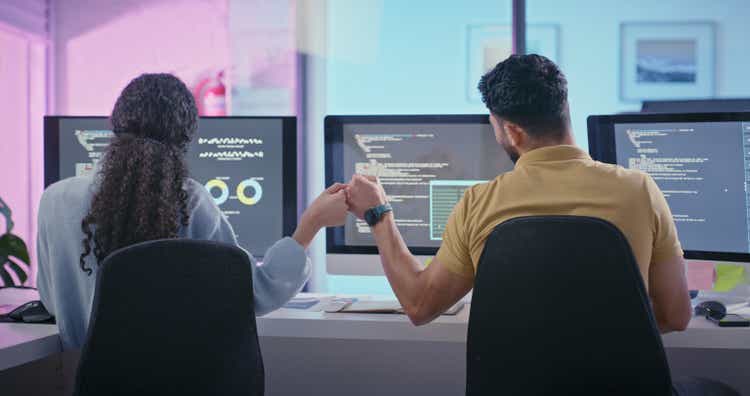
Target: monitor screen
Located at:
point(696, 106)
point(425, 164)
point(247, 164)
point(700, 163)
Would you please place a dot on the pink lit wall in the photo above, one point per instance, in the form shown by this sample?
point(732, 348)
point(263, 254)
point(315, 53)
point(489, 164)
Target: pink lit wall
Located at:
point(22, 105)
point(95, 48)
point(100, 45)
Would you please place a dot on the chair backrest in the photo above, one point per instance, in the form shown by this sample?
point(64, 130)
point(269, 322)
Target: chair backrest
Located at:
point(559, 307)
point(172, 317)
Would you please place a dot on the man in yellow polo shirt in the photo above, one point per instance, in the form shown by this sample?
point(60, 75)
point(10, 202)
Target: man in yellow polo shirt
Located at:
point(527, 99)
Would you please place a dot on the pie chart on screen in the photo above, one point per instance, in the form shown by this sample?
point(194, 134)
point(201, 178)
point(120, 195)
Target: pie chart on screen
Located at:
point(216, 184)
point(249, 192)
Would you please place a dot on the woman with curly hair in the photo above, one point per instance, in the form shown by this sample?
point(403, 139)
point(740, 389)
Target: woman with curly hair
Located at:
point(140, 192)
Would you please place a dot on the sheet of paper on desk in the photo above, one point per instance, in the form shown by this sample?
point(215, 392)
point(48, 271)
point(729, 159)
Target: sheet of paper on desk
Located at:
point(389, 306)
point(742, 309)
point(373, 306)
point(728, 276)
point(700, 275)
point(301, 302)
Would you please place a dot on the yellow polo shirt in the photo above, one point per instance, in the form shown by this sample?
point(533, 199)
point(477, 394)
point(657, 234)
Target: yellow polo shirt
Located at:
point(562, 180)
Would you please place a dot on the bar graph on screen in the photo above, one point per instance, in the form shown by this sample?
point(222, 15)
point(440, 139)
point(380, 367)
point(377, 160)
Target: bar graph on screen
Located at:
point(444, 195)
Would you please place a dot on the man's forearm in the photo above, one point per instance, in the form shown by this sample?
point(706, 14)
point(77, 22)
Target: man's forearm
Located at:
point(667, 321)
point(401, 268)
point(666, 327)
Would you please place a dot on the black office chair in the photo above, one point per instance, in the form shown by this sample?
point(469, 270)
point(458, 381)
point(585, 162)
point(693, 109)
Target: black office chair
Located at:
point(559, 307)
point(172, 317)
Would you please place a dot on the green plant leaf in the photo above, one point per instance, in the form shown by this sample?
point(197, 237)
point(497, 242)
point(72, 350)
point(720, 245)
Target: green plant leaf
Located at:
point(13, 246)
point(7, 280)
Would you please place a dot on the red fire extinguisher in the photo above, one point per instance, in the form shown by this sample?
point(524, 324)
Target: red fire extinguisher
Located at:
point(210, 95)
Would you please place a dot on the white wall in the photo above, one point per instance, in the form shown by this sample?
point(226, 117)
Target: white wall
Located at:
point(100, 45)
point(22, 78)
point(410, 57)
point(398, 57)
point(29, 16)
point(15, 138)
point(590, 46)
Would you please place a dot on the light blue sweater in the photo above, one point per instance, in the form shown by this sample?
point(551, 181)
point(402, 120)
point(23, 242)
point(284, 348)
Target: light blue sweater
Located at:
point(68, 292)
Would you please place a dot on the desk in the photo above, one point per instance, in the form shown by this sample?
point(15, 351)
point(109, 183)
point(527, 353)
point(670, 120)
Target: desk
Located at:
point(344, 354)
point(23, 343)
point(385, 327)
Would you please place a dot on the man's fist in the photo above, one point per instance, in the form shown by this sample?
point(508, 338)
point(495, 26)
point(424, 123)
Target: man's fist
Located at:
point(330, 208)
point(363, 193)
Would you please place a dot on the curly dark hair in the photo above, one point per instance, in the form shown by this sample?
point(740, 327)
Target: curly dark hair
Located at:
point(528, 90)
point(139, 192)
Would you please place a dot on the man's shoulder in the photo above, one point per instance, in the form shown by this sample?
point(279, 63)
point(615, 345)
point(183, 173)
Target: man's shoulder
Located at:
point(482, 189)
point(618, 173)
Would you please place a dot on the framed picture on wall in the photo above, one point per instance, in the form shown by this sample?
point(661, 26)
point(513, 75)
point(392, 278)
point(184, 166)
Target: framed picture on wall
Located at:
point(667, 60)
point(488, 44)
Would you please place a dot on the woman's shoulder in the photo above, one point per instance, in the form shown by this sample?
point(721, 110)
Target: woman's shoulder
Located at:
point(196, 191)
point(69, 191)
point(191, 185)
point(199, 199)
point(205, 215)
point(70, 185)
point(64, 203)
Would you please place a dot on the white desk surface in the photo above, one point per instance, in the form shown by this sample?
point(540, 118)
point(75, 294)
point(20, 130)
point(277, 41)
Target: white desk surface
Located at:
point(305, 324)
point(22, 343)
point(287, 322)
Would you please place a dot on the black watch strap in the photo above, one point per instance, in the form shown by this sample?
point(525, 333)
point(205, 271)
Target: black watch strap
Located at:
point(375, 214)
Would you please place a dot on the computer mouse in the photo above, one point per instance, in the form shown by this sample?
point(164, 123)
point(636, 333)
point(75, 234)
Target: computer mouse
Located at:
point(712, 309)
point(31, 312)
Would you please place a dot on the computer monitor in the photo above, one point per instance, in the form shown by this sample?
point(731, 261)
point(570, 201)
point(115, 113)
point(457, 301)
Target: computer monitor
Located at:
point(247, 164)
point(425, 163)
point(701, 164)
point(736, 105)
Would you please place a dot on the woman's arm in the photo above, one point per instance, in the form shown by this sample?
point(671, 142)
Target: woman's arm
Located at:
point(282, 275)
point(284, 271)
point(285, 267)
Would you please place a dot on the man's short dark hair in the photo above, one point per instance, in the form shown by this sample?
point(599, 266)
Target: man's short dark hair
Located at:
point(528, 90)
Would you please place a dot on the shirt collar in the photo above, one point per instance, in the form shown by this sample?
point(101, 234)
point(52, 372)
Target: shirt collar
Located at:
point(552, 153)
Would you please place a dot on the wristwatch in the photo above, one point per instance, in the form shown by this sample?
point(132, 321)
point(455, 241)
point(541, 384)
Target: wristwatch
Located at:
point(374, 214)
